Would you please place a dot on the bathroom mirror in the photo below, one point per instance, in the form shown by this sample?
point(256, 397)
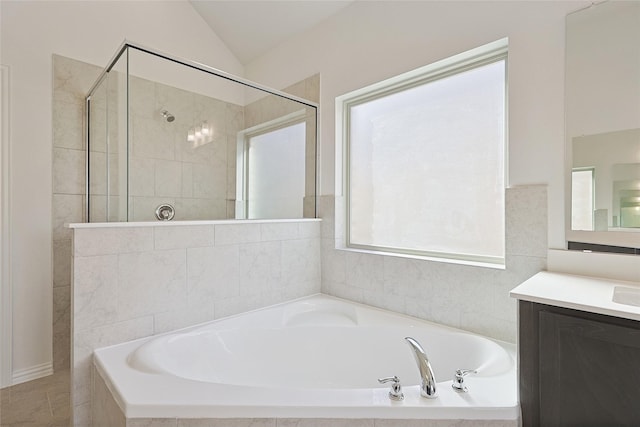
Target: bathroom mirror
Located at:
point(174, 136)
point(602, 126)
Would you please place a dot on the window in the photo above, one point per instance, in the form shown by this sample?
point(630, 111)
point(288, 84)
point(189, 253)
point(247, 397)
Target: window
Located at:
point(582, 199)
point(272, 169)
point(424, 159)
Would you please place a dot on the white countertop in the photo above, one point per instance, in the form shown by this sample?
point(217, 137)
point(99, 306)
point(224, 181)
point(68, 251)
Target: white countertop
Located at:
point(590, 294)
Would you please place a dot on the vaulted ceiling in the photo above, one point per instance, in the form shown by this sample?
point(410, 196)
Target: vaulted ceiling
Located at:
point(251, 28)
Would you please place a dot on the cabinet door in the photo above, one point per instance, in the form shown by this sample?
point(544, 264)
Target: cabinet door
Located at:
point(589, 372)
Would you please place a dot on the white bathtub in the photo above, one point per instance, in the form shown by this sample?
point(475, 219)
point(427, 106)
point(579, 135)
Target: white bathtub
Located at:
point(318, 357)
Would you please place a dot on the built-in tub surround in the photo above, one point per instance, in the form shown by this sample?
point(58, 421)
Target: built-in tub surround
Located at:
point(463, 296)
point(134, 280)
point(314, 358)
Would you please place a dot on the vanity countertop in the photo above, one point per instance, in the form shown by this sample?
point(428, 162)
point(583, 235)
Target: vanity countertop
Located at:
point(590, 294)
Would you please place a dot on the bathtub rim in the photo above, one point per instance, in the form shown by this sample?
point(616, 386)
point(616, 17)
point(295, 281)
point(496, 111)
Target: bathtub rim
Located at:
point(337, 403)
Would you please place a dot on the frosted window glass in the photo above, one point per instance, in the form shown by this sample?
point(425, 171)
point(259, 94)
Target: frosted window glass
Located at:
point(276, 173)
point(582, 199)
point(426, 166)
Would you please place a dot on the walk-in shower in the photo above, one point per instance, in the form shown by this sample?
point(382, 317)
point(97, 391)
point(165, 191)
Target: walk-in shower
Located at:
point(162, 130)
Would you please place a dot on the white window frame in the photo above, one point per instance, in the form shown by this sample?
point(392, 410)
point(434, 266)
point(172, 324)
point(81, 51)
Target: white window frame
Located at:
point(483, 55)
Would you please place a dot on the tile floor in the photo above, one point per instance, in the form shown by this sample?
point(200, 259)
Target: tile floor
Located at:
point(40, 403)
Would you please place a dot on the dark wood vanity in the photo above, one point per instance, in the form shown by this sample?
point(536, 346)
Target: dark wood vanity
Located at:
point(577, 368)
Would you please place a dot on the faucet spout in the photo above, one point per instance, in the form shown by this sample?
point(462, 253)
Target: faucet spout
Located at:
point(427, 379)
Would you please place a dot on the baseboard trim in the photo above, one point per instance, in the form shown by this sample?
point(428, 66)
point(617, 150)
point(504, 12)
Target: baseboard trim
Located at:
point(32, 373)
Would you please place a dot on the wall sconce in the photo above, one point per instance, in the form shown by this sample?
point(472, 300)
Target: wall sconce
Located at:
point(200, 135)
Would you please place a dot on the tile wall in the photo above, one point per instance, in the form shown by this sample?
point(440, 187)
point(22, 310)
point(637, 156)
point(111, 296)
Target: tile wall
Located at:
point(145, 280)
point(164, 168)
point(72, 80)
point(471, 298)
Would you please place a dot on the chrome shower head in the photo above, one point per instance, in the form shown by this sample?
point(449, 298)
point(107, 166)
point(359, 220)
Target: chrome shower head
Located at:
point(168, 116)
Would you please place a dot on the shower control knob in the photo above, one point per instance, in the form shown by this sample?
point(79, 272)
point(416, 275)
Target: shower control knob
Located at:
point(165, 212)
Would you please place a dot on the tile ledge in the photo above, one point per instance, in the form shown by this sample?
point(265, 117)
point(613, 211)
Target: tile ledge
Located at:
point(185, 223)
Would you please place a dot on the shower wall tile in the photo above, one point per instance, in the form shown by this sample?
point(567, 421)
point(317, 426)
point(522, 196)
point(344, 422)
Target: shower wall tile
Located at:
point(68, 171)
point(132, 282)
point(67, 209)
point(168, 178)
point(199, 209)
point(67, 123)
point(142, 176)
point(72, 79)
point(61, 325)
point(152, 138)
point(61, 263)
point(144, 208)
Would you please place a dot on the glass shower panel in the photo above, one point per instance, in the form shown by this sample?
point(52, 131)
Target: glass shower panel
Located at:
point(107, 136)
point(172, 132)
point(184, 124)
point(97, 143)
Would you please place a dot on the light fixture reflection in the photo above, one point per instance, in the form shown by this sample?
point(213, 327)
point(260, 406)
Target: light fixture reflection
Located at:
point(200, 135)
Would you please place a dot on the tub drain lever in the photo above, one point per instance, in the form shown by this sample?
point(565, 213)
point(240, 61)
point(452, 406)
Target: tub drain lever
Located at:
point(458, 382)
point(396, 388)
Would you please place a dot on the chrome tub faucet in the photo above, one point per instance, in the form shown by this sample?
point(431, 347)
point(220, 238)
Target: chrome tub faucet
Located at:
point(427, 379)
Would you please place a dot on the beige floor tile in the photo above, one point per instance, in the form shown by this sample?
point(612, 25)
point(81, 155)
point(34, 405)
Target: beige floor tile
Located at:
point(40, 403)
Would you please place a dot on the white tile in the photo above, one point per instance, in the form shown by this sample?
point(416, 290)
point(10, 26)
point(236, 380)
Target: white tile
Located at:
point(228, 234)
point(142, 175)
point(334, 262)
point(144, 208)
point(67, 125)
point(300, 261)
point(365, 271)
point(200, 209)
point(168, 178)
point(187, 179)
point(213, 273)
point(176, 319)
point(152, 138)
point(191, 236)
point(68, 171)
point(104, 241)
point(95, 291)
point(209, 182)
point(151, 282)
point(227, 422)
point(61, 263)
point(72, 79)
point(279, 231)
point(260, 267)
point(67, 209)
point(309, 229)
point(324, 422)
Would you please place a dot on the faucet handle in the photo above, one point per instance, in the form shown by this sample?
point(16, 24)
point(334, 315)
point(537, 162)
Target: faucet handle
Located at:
point(396, 388)
point(458, 382)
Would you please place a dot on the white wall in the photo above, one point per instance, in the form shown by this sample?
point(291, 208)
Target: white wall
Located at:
point(88, 31)
point(371, 41)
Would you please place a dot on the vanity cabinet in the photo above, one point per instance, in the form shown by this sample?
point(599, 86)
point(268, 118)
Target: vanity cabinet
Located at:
point(577, 368)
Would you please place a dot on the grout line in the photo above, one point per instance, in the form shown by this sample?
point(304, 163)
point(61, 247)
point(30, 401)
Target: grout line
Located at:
point(50, 406)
